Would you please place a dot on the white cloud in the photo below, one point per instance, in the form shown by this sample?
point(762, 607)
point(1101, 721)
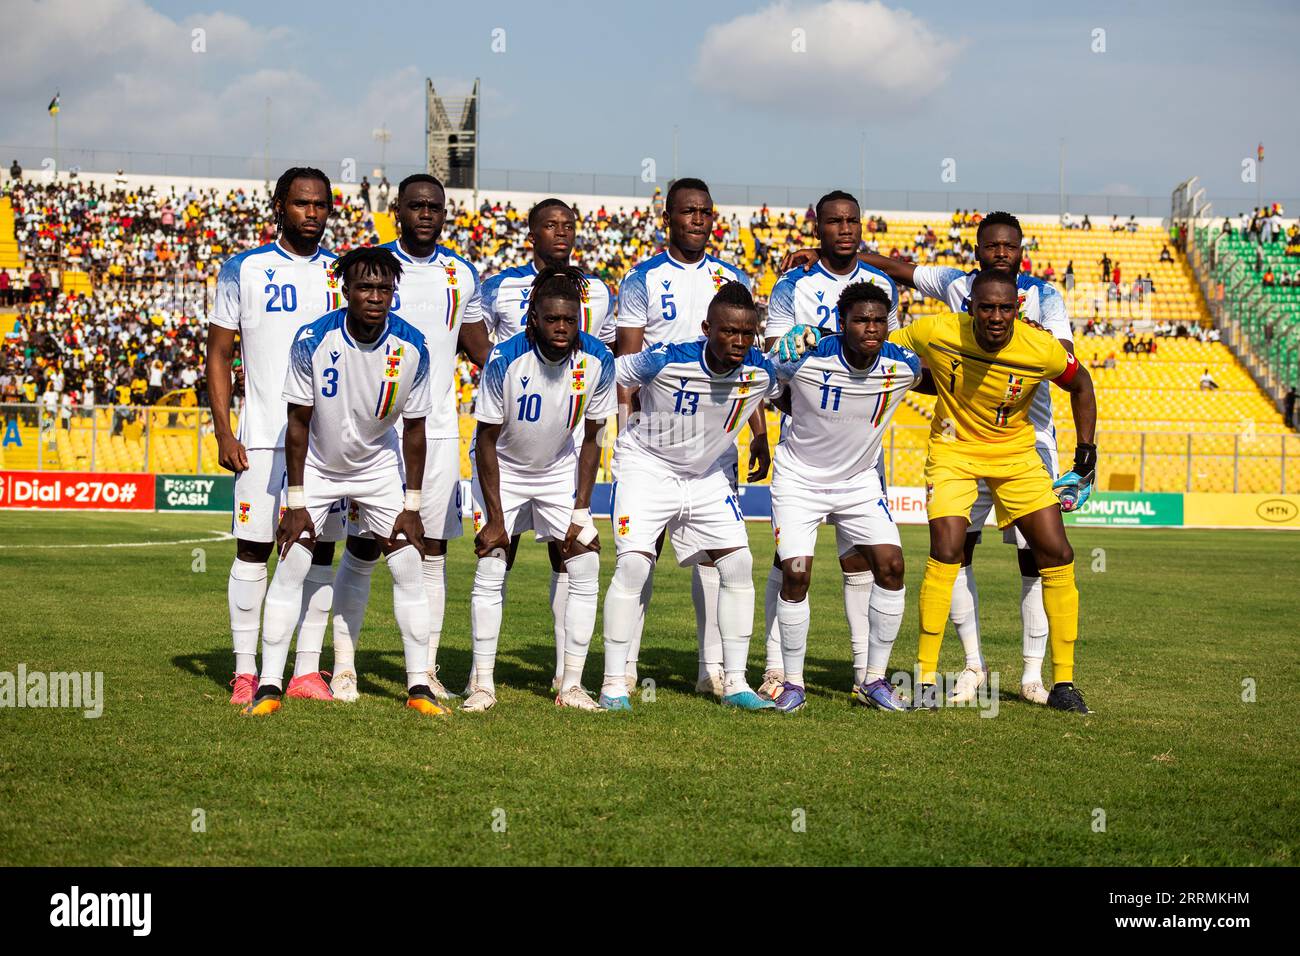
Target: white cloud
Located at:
point(860, 57)
point(130, 80)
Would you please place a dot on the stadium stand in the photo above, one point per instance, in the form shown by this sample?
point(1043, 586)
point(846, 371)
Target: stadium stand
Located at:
point(139, 264)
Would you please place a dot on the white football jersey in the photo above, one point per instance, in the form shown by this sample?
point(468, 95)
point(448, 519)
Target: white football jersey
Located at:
point(838, 414)
point(809, 298)
point(267, 294)
point(689, 415)
point(505, 304)
point(540, 404)
point(1039, 302)
point(437, 295)
point(670, 299)
point(357, 392)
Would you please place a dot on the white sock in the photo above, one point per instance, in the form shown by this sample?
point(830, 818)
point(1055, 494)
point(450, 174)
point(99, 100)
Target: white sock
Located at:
point(313, 618)
point(351, 595)
point(772, 594)
point(704, 594)
point(735, 615)
point(965, 615)
point(244, 593)
point(886, 618)
point(858, 588)
point(1034, 620)
point(411, 608)
point(435, 589)
point(485, 604)
point(623, 609)
point(582, 586)
point(634, 645)
point(560, 595)
point(792, 619)
point(283, 602)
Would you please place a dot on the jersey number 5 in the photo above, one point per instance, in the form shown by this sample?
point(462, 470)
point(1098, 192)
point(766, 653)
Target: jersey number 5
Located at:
point(669, 306)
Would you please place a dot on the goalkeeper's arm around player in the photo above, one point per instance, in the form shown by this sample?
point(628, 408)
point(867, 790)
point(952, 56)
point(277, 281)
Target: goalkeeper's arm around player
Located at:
point(1074, 487)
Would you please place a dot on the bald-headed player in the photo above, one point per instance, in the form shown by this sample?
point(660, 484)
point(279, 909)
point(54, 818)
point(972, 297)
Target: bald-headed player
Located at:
point(664, 300)
point(552, 232)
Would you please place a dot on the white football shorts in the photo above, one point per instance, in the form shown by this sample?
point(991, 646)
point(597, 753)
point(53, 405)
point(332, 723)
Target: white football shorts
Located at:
point(259, 500)
point(699, 514)
point(859, 512)
point(538, 502)
point(375, 498)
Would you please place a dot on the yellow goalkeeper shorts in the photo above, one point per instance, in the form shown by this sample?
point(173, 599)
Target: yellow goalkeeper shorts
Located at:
point(1020, 485)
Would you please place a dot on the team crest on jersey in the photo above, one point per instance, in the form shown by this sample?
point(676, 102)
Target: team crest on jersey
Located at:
point(578, 377)
point(623, 522)
point(242, 514)
point(719, 278)
point(451, 274)
point(1020, 303)
point(393, 363)
point(1015, 388)
point(333, 296)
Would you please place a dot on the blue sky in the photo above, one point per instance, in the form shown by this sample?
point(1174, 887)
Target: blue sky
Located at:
point(1180, 89)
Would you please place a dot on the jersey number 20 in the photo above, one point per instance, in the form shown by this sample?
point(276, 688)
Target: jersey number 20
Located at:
point(284, 298)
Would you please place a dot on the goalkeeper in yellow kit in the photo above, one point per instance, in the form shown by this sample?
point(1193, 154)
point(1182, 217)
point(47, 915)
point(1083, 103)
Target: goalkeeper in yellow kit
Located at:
point(986, 366)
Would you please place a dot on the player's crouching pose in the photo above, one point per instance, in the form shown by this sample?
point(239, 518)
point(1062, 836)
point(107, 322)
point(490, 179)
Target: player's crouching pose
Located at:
point(537, 386)
point(352, 372)
point(695, 397)
point(842, 396)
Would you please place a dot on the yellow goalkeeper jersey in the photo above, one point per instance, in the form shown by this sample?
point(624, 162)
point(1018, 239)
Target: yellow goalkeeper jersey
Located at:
point(984, 397)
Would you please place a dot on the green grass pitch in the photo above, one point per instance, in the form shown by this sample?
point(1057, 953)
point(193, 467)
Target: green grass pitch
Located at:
point(1184, 770)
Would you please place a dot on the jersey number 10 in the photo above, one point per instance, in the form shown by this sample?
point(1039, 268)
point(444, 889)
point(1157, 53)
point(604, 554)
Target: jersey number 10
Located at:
point(530, 407)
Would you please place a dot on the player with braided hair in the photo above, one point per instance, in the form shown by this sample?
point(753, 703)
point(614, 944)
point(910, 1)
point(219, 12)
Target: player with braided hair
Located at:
point(264, 296)
point(531, 472)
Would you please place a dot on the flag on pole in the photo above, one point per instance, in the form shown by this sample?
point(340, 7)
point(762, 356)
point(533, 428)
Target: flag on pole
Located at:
point(54, 105)
point(1260, 152)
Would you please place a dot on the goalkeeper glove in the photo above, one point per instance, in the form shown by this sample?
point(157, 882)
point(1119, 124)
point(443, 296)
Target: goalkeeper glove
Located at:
point(1074, 487)
point(800, 339)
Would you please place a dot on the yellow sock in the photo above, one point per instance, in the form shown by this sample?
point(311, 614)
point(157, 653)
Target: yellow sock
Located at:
point(936, 600)
point(1061, 602)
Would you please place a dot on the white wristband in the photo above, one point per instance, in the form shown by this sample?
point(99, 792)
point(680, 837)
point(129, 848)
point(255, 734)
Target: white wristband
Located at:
point(294, 497)
point(582, 518)
point(412, 501)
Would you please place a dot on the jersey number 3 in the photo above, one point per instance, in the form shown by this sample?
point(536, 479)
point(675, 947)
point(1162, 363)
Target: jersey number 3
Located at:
point(331, 386)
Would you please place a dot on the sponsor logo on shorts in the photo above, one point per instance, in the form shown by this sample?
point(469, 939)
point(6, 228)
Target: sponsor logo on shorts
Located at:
point(623, 521)
point(354, 512)
point(478, 521)
point(241, 515)
point(776, 533)
point(929, 492)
